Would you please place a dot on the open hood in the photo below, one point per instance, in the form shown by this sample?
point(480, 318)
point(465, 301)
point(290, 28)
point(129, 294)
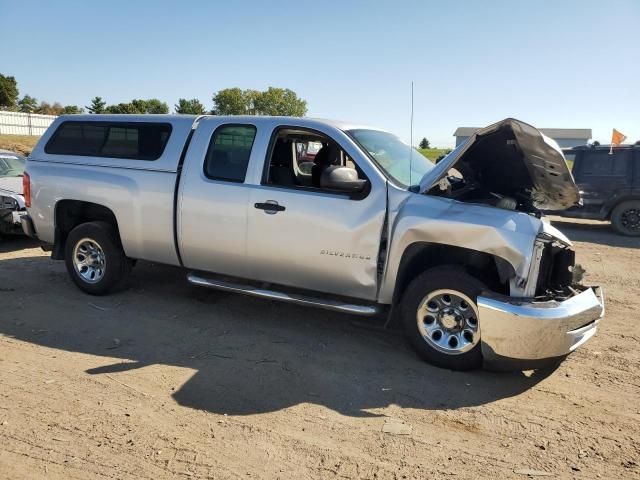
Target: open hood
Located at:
point(507, 159)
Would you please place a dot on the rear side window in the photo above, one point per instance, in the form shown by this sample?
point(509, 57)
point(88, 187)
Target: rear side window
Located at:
point(229, 151)
point(133, 141)
point(601, 164)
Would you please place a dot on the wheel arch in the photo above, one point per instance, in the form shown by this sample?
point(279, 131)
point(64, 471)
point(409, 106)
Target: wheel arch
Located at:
point(492, 270)
point(71, 213)
point(613, 205)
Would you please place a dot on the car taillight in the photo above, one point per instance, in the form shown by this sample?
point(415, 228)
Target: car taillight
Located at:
point(26, 189)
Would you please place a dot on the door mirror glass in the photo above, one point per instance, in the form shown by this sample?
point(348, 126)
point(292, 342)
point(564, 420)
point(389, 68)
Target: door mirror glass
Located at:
point(343, 179)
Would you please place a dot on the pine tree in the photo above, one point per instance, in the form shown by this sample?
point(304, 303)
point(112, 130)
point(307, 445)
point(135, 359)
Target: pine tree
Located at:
point(97, 105)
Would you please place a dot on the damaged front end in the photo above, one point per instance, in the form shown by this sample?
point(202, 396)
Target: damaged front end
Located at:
point(11, 210)
point(547, 315)
point(554, 315)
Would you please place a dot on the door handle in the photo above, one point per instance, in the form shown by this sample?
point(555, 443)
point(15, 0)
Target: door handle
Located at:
point(270, 206)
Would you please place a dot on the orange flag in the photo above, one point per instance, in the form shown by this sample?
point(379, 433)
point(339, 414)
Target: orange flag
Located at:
point(616, 139)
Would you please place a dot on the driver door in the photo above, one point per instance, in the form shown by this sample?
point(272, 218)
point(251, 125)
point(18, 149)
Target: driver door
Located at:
point(313, 238)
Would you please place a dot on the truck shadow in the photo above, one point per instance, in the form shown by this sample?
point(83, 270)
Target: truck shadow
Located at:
point(250, 356)
point(600, 233)
point(12, 243)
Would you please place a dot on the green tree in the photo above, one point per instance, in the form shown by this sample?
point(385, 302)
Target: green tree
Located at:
point(189, 107)
point(97, 105)
point(273, 101)
point(120, 108)
point(27, 104)
point(8, 93)
point(424, 143)
point(137, 106)
point(230, 101)
point(153, 105)
point(72, 110)
point(280, 101)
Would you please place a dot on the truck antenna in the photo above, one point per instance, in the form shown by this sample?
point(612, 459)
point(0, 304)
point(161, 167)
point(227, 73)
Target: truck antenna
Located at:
point(411, 138)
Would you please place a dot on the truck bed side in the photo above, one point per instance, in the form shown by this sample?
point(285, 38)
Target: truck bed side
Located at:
point(138, 193)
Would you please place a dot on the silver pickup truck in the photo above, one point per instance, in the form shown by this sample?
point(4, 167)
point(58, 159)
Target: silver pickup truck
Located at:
point(327, 214)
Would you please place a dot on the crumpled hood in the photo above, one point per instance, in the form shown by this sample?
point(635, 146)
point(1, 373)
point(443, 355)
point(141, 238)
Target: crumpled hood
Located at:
point(11, 184)
point(512, 158)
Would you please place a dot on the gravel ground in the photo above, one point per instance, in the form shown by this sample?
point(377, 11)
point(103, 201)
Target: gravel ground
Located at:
point(165, 380)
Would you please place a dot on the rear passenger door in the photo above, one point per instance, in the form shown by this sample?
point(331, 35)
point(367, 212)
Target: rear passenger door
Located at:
point(602, 177)
point(213, 198)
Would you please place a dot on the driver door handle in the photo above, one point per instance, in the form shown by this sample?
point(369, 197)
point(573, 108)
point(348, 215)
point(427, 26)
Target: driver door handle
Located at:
point(270, 206)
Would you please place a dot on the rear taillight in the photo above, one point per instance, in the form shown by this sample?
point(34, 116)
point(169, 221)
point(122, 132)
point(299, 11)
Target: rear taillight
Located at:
point(26, 189)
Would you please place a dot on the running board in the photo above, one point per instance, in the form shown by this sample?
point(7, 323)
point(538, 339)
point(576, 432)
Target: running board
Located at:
point(328, 304)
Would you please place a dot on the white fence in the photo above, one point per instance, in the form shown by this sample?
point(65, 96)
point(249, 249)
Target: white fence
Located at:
point(17, 123)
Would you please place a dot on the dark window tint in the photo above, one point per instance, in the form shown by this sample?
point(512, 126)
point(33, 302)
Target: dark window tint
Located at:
point(229, 151)
point(601, 164)
point(135, 141)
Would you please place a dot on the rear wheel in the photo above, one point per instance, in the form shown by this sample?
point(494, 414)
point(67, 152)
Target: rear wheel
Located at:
point(95, 259)
point(440, 317)
point(625, 218)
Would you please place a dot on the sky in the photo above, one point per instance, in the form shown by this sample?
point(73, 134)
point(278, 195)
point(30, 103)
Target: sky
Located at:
point(553, 64)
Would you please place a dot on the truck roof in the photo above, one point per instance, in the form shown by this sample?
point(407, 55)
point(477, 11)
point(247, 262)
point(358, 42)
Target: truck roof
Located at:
point(174, 119)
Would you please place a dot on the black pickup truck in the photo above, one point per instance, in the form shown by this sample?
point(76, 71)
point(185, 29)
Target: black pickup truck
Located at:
point(609, 185)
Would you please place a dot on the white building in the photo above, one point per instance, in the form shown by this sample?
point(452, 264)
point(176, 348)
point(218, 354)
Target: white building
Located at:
point(566, 137)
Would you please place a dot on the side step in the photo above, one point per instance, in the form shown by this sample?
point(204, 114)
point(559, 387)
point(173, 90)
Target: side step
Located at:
point(328, 304)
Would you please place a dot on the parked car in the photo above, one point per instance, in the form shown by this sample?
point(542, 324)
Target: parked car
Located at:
point(12, 205)
point(458, 252)
point(609, 185)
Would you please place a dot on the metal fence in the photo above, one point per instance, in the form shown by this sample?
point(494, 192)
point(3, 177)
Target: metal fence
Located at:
point(17, 123)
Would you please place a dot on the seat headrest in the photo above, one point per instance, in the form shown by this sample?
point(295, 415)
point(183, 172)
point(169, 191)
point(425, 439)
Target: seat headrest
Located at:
point(325, 156)
point(281, 153)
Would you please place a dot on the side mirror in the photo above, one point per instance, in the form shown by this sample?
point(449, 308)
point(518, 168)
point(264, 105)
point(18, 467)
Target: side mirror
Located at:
point(344, 179)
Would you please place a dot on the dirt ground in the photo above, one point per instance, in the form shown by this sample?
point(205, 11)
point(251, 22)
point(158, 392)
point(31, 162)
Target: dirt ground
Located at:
point(166, 380)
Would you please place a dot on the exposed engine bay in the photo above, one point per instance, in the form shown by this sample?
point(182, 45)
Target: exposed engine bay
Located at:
point(508, 165)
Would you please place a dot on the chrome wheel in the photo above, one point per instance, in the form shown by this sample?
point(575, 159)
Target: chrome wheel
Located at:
point(89, 260)
point(448, 321)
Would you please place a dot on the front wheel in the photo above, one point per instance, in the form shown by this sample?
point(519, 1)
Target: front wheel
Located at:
point(625, 218)
point(95, 259)
point(440, 317)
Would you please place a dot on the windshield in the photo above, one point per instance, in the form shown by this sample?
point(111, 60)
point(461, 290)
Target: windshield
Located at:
point(11, 165)
point(393, 156)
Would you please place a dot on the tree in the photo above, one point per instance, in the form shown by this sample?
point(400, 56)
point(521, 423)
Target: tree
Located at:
point(45, 108)
point(280, 101)
point(8, 93)
point(596, 143)
point(27, 104)
point(273, 101)
point(72, 110)
point(97, 105)
point(152, 105)
point(189, 107)
point(424, 143)
point(230, 101)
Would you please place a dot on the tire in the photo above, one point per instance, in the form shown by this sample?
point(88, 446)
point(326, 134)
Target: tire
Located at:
point(445, 300)
point(625, 218)
point(97, 244)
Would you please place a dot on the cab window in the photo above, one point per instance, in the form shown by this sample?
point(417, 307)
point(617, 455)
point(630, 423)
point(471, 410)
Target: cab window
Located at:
point(229, 151)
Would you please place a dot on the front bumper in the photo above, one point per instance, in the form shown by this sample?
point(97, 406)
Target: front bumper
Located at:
point(521, 333)
point(10, 221)
point(27, 226)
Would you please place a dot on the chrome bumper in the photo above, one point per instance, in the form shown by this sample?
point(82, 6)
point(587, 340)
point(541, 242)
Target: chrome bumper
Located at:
point(521, 332)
